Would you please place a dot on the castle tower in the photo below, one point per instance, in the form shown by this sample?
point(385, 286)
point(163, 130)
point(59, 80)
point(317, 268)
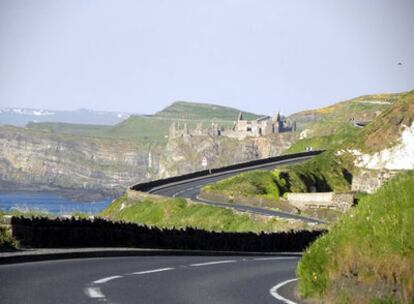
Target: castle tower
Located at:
point(198, 131)
point(172, 132)
point(240, 117)
point(278, 118)
point(185, 129)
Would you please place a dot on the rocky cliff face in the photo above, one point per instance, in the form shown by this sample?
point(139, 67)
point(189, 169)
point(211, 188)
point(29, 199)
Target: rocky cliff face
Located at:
point(85, 166)
point(43, 161)
point(184, 155)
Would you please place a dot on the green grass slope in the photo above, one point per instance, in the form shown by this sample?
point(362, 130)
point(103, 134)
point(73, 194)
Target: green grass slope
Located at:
point(258, 183)
point(178, 213)
point(325, 121)
point(202, 111)
point(369, 254)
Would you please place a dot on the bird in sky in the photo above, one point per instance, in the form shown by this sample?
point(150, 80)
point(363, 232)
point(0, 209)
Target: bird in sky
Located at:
point(399, 63)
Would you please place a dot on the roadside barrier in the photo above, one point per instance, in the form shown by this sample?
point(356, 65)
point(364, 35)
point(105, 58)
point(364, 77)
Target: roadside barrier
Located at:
point(72, 233)
point(147, 186)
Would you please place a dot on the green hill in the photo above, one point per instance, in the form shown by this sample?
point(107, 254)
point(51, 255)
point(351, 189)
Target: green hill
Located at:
point(202, 111)
point(151, 128)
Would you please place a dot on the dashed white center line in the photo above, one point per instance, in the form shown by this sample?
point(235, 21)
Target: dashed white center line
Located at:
point(153, 270)
point(94, 292)
point(104, 280)
point(213, 263)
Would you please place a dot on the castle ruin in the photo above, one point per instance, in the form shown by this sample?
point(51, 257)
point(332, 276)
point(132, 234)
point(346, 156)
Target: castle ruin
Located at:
point(241, 129)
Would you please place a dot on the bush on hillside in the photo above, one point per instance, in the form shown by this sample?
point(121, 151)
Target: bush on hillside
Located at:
point(261, 183)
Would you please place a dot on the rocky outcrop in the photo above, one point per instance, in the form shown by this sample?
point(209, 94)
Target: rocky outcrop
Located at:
point(185, 154)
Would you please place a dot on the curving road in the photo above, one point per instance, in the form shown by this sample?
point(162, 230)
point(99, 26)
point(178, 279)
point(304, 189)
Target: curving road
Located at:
point(191, 189)
point(158, 279)
point(171, 279)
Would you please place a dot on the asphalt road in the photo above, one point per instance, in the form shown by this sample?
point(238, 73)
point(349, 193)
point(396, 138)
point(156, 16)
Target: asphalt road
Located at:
point(191, 189)
point(156, 279)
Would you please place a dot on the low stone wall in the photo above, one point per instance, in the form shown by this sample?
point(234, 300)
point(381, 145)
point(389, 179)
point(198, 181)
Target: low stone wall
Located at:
point(369, 181)
point(330, 200)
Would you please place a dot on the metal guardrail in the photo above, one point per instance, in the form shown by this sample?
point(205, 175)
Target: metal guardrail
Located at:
point(148, 186)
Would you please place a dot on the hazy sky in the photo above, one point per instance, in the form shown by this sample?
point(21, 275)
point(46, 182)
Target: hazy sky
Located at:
point(258, 55)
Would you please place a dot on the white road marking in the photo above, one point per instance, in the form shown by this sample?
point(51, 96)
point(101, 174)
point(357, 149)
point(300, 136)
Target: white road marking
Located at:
point(94, 292)
point(213, 263)
point(275, 258)
point(104, 280)
point(275, 294)
point(153, 270)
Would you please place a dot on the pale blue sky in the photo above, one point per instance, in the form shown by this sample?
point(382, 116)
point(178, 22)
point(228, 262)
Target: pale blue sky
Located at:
point(258, 55)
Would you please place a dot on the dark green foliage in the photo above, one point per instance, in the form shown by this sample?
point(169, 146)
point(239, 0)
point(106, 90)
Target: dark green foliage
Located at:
point(52, 233)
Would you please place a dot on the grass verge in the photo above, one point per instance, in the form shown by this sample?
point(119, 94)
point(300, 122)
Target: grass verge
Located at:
point(178, 213)
point(368, 256)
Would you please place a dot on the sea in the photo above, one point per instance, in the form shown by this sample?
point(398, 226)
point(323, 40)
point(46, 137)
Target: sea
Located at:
point(48, 202)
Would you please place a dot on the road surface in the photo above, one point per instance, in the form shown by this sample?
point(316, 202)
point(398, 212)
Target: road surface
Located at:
point(157, 279)
point(191, 189)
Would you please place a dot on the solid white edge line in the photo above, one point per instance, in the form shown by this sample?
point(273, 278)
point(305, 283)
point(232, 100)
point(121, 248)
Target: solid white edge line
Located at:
point(153, 270)
point(213, 263)
point(275, 294)
point(275, 258)
point(94, 292)
point(104, 280)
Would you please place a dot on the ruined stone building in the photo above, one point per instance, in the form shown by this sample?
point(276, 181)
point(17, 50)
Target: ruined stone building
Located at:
point(263, 126)
point(242, 128)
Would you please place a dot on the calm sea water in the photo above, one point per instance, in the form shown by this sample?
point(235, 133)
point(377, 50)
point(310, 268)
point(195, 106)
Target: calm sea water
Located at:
point(49, 202)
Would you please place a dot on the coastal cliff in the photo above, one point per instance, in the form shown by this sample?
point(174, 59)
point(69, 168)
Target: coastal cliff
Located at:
point(36, 161)
point(89, 167)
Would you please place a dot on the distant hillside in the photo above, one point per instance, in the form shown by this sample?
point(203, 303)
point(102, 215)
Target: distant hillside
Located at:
point(325, 121)
point(202, 111)
point(71, 129)
point(384, 131)
point(149, 128)
point(22, 116)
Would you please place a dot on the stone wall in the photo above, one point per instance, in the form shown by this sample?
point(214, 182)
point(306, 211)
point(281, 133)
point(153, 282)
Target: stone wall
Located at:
point(330, 200)
point(369, 181)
